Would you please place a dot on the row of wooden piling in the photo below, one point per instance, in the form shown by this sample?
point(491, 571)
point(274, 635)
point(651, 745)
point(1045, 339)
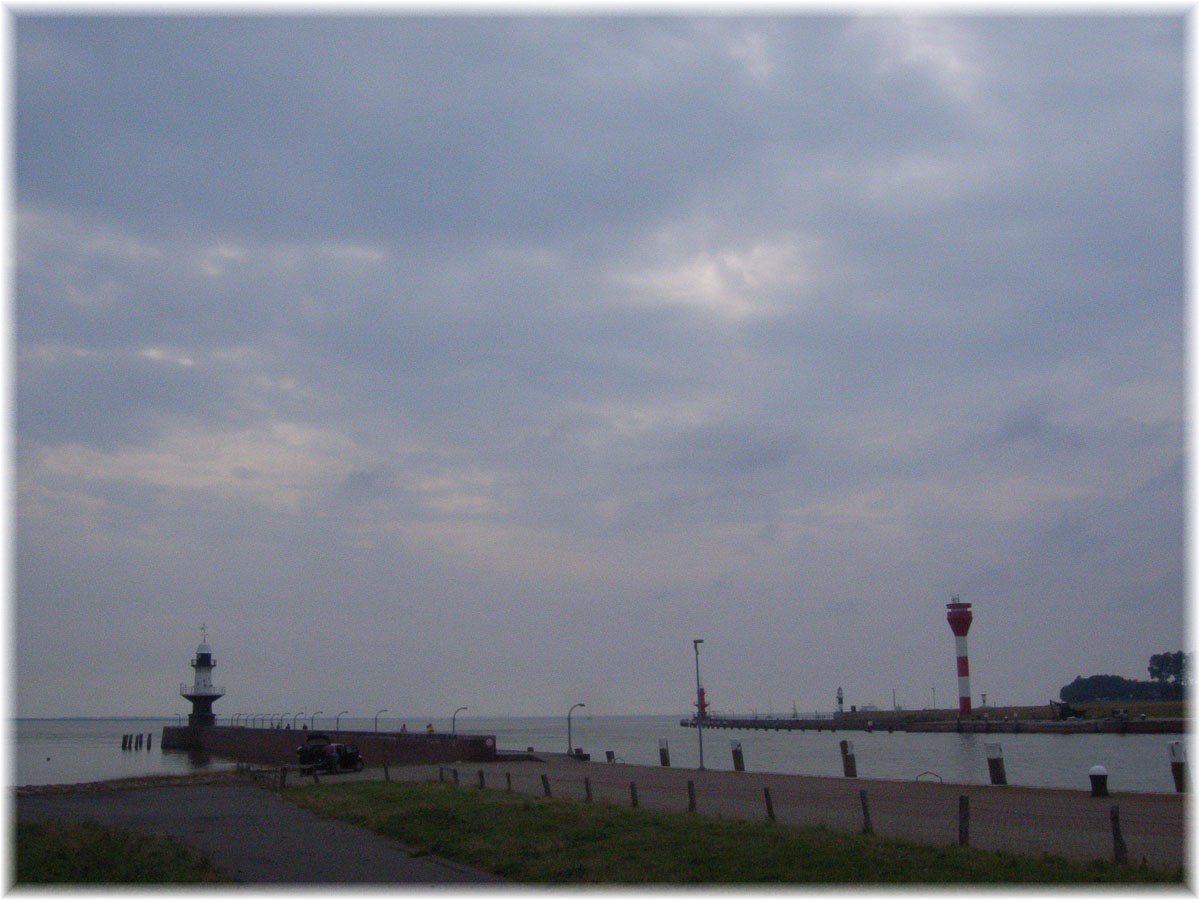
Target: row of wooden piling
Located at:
point(995, 760)
point(134, 741)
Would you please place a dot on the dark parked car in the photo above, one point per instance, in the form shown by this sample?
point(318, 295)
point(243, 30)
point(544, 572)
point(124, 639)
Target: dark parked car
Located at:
point(321, 754)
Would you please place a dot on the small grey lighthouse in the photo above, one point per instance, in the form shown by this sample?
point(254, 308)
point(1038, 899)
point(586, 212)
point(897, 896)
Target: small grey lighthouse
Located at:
point(201, 692)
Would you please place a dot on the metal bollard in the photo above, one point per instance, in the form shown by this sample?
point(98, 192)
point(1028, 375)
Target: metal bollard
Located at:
point(664, 753)
point(849, 767)
point(1178, 765)
point(1099, 778)
point(739, 762)
point(995, 758)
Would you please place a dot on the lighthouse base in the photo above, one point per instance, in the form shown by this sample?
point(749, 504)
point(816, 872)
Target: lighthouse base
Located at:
point(202, 720)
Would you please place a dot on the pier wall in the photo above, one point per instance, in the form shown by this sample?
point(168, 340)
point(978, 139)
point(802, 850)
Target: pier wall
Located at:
point(269, 746)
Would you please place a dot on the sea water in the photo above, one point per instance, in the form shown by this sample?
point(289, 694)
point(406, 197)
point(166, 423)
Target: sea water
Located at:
point(68, 751)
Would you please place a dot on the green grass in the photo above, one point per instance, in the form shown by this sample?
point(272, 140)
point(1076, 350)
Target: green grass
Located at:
point(548, 841)
point(88, 853)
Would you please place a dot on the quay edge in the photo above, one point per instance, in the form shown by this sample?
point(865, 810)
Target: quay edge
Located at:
point(973, 726)
point(275, 747)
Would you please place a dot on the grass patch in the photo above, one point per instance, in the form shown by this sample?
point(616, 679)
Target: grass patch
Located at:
point(534, 840)
point(87, 853)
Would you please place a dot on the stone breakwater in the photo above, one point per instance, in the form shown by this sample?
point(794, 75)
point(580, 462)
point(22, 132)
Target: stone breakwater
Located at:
point(275, 747)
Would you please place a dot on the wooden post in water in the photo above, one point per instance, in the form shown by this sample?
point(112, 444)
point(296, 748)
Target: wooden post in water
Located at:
point(964, 821)
point(739, 761)
point(849, 767)
point(664, 753)
point(1178, 765)
point(149, 740)
point(995, 758)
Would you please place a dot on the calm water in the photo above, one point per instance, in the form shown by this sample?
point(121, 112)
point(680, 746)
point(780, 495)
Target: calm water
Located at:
point(64, 751)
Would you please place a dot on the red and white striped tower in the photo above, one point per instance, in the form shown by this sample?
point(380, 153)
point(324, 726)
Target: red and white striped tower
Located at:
point(958, 614)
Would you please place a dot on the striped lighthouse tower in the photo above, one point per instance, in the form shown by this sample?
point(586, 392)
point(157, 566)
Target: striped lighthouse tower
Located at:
point(958, 614)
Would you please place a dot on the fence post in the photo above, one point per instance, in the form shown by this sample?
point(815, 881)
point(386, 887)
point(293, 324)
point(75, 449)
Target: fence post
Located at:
point(691, 796)
point(633, 800)
point(454, 772)
point(770, 805)
point(441, 773)
point(387, 776)
point(508, 781)
point(862, 796)
point(481, 784)
point(664, 753)
point(739, 762)
point(587, 789)
point(546, 784)
point(964, 821)
point(1120, 854)
point(282, 777)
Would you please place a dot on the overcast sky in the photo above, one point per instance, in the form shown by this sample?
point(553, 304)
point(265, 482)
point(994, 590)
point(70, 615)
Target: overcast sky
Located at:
point(487, 362)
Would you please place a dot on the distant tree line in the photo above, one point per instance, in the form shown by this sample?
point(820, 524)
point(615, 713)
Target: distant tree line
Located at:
point(1169, 675)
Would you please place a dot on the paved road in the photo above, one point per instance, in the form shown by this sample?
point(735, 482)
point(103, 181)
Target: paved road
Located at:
point(253, 835)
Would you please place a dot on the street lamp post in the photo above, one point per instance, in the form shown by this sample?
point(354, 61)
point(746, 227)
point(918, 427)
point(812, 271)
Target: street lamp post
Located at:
point(455, 716)
point(377, 715)
point(296, 716)
point(699, 707)
point(337, 725)
point(313, 718)
point(570, 748)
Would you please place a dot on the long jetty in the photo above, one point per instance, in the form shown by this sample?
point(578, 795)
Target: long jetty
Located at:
point(860, 722)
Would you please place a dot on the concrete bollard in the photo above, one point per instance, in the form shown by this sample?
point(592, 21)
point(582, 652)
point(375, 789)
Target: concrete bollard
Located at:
point(1178, 765)
point(1099, 779)
point(995, 758)
point(849, 767)
point(739, 762)
point(664, 753)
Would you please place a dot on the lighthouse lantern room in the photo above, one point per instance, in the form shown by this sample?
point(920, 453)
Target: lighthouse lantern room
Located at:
point(201, 692)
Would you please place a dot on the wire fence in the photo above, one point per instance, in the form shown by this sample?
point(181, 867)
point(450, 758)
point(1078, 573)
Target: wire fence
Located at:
point(1135, 828)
